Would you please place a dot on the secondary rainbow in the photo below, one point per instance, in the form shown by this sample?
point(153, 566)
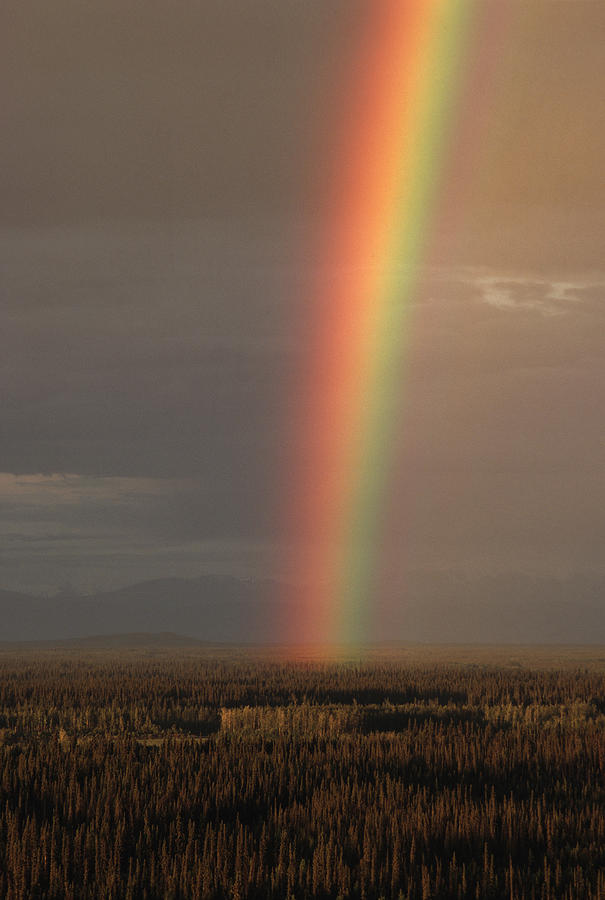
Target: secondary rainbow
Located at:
point(388, 170)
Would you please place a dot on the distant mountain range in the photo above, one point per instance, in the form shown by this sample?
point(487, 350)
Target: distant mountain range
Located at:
point(210, 608)
point(444, 608)
point(162, 641)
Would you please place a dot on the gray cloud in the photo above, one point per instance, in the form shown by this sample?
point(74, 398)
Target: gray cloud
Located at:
point(550, 297)
point(99, 531)
point(142, 367)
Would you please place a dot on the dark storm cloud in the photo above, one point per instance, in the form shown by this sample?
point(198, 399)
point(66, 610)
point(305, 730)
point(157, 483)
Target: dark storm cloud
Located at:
point(137, 109)
point(160, 346)
point(144, 351)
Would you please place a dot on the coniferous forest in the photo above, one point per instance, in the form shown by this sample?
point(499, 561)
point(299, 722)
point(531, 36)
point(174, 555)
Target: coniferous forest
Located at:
point(150, 776)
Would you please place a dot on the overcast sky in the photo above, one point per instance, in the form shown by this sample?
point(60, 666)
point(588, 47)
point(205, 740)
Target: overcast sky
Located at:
point(162, 171)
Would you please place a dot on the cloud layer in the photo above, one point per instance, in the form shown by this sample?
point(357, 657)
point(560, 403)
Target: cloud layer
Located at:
point(165, 180)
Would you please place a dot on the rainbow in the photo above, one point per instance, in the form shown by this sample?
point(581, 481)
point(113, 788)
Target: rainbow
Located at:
point(410, 65)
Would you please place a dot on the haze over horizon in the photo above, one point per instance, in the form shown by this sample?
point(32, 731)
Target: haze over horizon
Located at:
point(164, 175)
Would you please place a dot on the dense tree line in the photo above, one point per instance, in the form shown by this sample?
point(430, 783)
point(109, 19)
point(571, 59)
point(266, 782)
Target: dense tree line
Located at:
point(164, 778)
